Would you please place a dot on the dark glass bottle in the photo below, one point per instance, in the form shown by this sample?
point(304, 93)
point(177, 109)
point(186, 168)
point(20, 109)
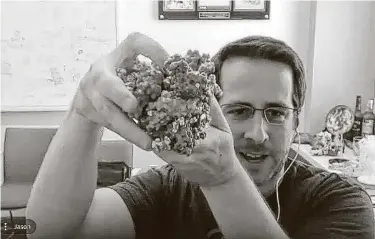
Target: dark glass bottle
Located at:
point(358, 118)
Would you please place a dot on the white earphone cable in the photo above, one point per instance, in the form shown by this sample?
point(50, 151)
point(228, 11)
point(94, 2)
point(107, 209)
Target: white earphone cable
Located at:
point(281, 177)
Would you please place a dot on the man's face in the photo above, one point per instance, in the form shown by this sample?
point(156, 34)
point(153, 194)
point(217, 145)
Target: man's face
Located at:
point(261, 147)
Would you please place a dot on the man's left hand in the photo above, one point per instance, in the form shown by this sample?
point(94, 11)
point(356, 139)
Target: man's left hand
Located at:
point(213, 160)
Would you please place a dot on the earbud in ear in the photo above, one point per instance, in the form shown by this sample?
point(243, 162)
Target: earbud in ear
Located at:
point(295, 134)
point(296, 122)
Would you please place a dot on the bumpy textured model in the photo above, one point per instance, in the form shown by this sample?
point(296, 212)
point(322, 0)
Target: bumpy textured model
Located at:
point(173, 103)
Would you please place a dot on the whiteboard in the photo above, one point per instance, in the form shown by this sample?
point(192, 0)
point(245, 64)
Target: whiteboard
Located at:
point(46, 48)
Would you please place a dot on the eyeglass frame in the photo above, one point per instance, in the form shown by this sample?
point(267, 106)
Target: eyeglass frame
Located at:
point(262, 110)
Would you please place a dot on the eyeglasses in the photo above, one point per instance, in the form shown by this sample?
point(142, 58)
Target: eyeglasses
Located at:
point(274, 115)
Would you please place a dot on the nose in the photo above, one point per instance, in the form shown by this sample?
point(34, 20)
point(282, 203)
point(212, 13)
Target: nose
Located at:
point(257, 129)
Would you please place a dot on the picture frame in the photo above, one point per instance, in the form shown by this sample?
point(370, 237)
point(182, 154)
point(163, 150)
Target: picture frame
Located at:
point(249, 5)
point(214, 9)
point(218, 5)
point(179, 6)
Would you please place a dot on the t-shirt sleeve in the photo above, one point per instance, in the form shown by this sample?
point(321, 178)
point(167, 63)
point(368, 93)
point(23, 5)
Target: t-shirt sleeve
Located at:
point(341, 209)
point(144, 195)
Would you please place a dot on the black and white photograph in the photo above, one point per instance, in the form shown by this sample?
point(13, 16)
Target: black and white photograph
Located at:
point(209, 5)
point(182, 5)
point(249, 5)
point(201, 119)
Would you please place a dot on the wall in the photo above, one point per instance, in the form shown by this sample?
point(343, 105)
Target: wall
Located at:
point(290, 21)
point(344, 57)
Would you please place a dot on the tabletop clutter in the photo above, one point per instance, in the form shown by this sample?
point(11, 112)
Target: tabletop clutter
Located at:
point(345, 128)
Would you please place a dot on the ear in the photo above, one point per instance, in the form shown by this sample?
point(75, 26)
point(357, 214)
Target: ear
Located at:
point(295, 122)
point(295, 129)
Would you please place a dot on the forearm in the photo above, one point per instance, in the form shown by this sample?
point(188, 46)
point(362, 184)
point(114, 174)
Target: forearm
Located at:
point(241, 211)
point(66, 182)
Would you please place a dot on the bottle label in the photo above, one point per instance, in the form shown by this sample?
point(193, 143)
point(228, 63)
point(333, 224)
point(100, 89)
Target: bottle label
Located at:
point(368, 127)
point(357, 125)
point(356, 128)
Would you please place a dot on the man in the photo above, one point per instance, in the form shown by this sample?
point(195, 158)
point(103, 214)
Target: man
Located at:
point(228, 188)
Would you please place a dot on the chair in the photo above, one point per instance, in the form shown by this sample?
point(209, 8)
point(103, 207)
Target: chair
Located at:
point(24, 150)
point(23, 153)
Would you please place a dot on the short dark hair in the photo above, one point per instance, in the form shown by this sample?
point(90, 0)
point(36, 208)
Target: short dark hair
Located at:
point(268, 48)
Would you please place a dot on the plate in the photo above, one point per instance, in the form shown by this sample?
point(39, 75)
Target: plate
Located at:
point(339, 120)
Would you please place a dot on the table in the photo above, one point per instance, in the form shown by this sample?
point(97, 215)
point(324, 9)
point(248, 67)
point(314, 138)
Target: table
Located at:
point(322, 162)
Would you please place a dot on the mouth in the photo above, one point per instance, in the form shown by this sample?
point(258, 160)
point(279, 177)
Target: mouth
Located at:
point(253, 157)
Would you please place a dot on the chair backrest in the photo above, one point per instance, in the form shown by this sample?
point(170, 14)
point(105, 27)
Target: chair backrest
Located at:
point(25, 148)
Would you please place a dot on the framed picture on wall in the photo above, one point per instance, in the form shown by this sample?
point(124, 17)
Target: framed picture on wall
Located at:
point(214, 9)
point(218, 5)
point(179, 6)
point(249, 5)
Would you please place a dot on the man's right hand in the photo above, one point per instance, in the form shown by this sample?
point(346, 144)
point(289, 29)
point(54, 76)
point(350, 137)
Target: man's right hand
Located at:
point(102, 97)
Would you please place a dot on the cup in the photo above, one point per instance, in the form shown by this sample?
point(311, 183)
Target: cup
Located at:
point(356, 145)
point(367, 159)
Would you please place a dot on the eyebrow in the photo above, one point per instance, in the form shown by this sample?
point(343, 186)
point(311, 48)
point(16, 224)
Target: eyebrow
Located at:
point(268, 104)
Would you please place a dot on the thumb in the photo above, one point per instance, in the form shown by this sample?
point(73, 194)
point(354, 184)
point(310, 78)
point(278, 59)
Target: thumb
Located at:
point(217, 117)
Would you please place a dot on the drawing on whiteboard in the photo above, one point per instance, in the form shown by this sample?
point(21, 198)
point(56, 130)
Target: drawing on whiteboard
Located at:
point(6, 68)
point(55, 76)
point(53, 43)
point(94, 39)
point(16, 41)
point(76, 77)
point(90, 26)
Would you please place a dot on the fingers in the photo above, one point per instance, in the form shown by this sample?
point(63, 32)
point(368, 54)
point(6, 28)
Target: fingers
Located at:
point(134, 45)
point(113, 88)
point(118, 122)
point(150, 48)
point(217, 117)
point(124, 52)
point(205, 150)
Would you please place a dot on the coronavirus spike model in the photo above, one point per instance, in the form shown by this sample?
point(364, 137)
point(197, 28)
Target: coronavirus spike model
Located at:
point(173, 106)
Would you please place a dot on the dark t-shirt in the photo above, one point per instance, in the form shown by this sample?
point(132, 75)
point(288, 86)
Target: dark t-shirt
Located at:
point(314, 204)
